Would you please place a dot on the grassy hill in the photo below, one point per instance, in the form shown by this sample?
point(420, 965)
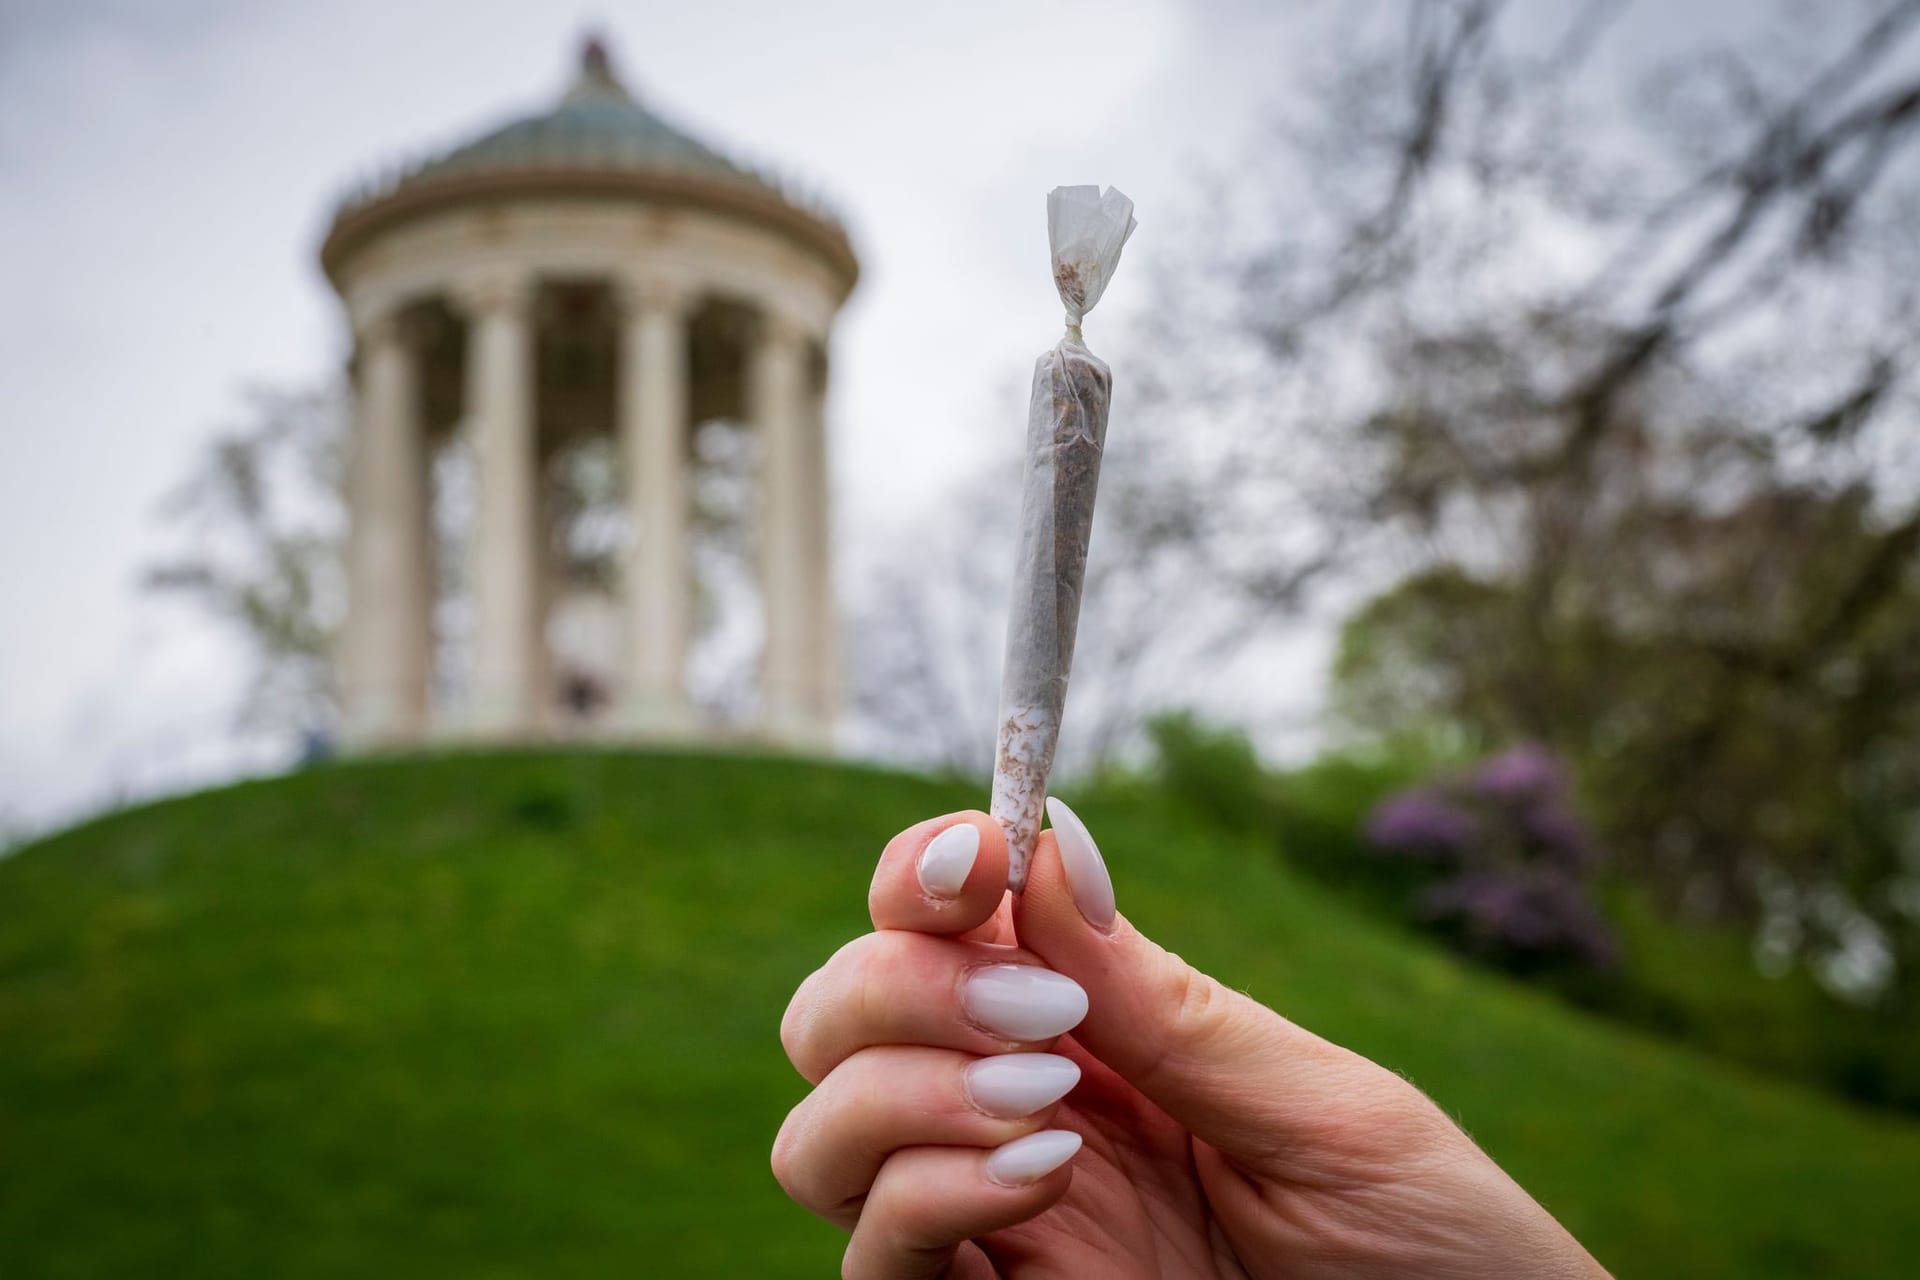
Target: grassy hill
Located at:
point(516, 1016)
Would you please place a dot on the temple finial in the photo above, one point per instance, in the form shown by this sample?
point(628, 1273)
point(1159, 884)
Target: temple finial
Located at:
point(593, 56)
point(596, 78)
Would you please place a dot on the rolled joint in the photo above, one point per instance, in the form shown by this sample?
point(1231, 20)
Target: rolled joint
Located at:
point(1028, 736)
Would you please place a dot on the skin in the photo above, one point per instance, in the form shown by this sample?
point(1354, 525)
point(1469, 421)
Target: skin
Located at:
point(1220, 1138)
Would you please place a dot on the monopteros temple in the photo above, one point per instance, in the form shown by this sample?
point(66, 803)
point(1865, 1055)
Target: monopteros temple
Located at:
point(588, 276)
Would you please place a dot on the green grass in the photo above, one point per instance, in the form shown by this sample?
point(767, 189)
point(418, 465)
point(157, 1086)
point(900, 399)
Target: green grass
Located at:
point(516, 1016)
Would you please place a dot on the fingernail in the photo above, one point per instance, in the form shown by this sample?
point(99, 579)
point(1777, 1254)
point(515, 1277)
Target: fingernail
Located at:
point(1022, 1002)
point(1019, 1084)
point(1086, 869)
point(1029, 1159)
point(947, 859)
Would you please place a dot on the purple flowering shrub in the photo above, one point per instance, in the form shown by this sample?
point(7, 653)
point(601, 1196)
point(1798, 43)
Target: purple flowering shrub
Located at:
point(1506, 861)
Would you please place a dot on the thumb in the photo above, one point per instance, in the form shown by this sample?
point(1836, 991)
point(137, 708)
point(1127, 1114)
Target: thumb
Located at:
point(1230, 1070)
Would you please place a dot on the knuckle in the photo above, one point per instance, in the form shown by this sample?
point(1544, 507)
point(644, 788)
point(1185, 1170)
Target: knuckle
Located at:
point(1193, 1002)
point(799, 1159)
point(789, 1160)
point(844, 995)
point(912, 1218)
point(856, 959)
point(861, 982)
point(1192, 1018)
point(784, 1159)
point(797, 1023)
point(863, 977)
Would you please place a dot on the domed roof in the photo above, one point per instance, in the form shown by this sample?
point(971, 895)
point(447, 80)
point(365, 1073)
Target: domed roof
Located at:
point(597, 122)
point(598, 137)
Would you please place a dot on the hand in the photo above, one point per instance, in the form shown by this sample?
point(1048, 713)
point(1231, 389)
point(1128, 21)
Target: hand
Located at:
point(1219, 1138)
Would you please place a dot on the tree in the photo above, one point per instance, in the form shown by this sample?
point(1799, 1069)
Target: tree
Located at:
point(1620, 386)
point(929, 635)
point(261, 523)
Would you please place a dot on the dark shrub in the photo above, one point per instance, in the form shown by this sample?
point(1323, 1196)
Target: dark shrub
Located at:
point(1507, 859)
point(1426, 823)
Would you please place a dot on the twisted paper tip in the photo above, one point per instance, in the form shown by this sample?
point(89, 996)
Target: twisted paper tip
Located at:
point(1086, 230)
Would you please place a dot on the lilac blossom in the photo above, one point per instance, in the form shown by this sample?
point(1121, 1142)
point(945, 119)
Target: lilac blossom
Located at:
point(1521, 773)
point(1556, 830)
point(1422, 823)
point(1522, 913)
point(1509, 854)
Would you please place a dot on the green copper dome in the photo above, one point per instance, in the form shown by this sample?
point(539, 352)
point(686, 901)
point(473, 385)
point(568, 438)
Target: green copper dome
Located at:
point(598, 123)
point(599, 141)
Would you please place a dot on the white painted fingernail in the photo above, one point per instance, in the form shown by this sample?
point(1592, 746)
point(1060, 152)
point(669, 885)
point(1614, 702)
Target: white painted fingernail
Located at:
point(1019, 1084)
point(1086, 869)
point(948, 858)
point(1022, 1002)
point(1029, 1159)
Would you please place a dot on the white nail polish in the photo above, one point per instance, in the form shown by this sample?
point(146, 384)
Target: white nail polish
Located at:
point(1019, 1084)
point(1086, 869)
point(948, 858)
point(1027, 1160)
point(1022, 1002)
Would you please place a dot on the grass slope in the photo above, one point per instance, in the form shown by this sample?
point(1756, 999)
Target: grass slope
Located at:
point(515, 1016)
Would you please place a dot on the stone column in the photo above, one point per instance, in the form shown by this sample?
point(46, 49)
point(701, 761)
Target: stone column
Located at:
point(654, 363)
point(504, 699)
point(388, 645)
point(824, 619)
point(542, 679)
point(777, 403)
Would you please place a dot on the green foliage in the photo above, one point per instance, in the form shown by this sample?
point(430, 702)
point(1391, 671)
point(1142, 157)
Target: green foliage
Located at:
point(1699, 983)
point(1695, 981)
point(1314, 814)
point(516, 1015)
point(1743, 728)
point(1215, 769)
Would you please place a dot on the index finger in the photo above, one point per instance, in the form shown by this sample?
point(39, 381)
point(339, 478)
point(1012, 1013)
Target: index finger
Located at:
point(947, 875)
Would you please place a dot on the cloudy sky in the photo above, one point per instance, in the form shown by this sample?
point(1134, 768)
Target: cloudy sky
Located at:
point(166, 173)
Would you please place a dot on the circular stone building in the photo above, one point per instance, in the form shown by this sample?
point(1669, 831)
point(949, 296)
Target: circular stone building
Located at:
point(589, 273)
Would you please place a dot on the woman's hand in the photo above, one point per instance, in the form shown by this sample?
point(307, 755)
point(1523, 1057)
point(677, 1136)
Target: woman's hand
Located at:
point(950, 1106)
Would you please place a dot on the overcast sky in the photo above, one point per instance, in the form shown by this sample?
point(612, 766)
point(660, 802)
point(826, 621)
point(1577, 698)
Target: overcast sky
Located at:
point(166, 172)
